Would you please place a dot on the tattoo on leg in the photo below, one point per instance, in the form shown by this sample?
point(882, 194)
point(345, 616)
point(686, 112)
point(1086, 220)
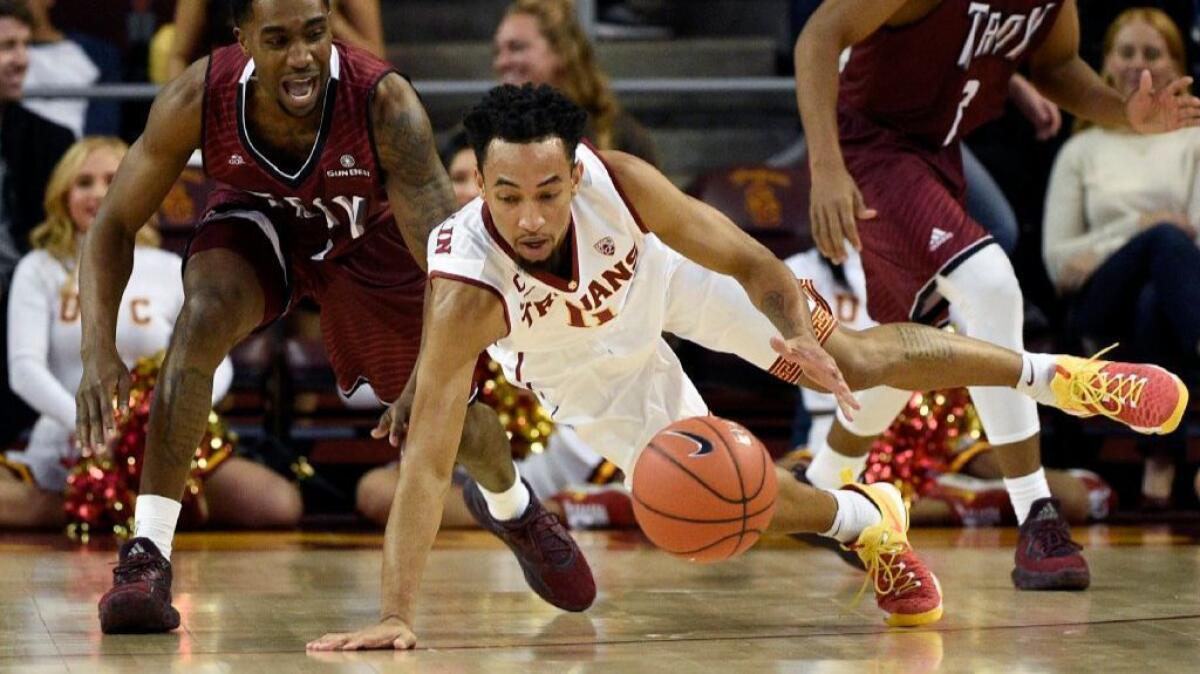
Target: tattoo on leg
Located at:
point(924, 344)
point(182, 404)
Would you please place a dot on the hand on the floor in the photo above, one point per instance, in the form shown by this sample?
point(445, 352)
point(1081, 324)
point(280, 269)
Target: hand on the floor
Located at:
point(390, 633)
point(818, 366)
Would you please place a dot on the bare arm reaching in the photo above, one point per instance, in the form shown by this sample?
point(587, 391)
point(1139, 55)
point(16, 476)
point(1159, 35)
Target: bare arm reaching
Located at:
point(146, 174)
point(358, 22)
point(836, 203)
point(417, 185)
point(707, 237)
point(448, 355)
point(191, 18)
point(1058, 72)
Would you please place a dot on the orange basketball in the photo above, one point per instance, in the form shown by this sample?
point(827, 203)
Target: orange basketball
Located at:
point(704, 489)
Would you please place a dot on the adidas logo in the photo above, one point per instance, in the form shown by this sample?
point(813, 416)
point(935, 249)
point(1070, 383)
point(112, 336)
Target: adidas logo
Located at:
point(137, 549)
point(236, 160)
point(938, 237)
point(1048, 512)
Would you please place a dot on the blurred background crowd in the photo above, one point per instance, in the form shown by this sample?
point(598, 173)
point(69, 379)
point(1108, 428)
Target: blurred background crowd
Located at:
point(1101, 227)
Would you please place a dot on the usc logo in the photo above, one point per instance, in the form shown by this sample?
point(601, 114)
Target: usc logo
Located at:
point(68, 309)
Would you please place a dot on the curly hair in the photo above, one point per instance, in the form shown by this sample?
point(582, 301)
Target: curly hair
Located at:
point(523, 114)
point(582, 80)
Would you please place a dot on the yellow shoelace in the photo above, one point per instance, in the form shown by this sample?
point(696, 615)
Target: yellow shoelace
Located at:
point(1091, 387)
point(889, 577)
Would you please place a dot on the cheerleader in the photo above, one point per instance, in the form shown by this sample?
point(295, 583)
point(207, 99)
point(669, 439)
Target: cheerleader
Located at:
point(45, 366)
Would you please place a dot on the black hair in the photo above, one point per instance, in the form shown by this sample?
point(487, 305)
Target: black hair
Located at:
point(242, 9)
point(524, 114)
point(457, 142)
point(16, 9)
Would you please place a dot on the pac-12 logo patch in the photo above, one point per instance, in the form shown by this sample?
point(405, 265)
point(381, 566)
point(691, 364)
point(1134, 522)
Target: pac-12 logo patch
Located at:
point(605, 246)
point(703, 445)
point(346, 161)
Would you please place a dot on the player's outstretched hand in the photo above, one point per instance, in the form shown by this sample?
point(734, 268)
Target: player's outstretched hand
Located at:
point(390, 633)
point(1170, 108)
point(818, 366)
point(393, 423)
point(105, 385)
point(835, 207)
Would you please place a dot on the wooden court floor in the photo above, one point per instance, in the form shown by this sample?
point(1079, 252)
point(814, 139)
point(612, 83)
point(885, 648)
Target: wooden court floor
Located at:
point(251, 601)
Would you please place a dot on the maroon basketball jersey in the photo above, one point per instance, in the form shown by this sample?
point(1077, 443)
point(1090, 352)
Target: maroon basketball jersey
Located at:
point(337, 194)
point(944, 75)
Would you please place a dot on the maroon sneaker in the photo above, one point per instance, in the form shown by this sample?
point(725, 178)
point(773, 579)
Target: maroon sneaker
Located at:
point(140, 599)
point(554, 566)
point(1047, 558)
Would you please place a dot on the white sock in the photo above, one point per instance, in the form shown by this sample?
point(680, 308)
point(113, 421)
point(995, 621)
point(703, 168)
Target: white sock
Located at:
point(855, 512)
point(1023, 491)
point(154, 517)
point(825, 471)
point(510, 503)
point(1037, 371)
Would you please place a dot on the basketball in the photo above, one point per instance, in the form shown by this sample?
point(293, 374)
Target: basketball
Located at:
point(704, 489)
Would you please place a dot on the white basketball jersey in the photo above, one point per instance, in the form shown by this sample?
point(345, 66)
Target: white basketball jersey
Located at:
point(604, 311)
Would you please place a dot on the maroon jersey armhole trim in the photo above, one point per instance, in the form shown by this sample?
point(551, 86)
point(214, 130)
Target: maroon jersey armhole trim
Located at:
point(617, 184)
point(371, 122)
point(204, 116)
point(479, 284)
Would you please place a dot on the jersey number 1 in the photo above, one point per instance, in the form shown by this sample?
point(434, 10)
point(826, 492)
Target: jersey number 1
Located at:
point(969, 90)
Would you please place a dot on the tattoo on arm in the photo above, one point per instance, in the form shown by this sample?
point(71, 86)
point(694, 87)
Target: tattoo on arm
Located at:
point(774, 306)
point(922, 344)
point(414, 172)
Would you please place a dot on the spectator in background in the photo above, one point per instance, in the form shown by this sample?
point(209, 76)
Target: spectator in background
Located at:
point(57, 59)
point(1122, 211)
point(460, 163)
point(45, 366)
point(202, 25)
point(29, 148)
point(541, 41)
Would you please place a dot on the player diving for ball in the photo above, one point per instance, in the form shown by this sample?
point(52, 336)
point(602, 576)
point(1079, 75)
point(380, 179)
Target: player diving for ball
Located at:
point(568, 270)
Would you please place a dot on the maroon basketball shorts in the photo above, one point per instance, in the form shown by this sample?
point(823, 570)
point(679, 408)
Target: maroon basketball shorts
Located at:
point(922, 229)
point(370, 297)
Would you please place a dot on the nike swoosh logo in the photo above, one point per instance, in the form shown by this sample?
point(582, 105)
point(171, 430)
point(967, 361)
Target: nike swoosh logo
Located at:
point(1030, 382)
point(703, 445)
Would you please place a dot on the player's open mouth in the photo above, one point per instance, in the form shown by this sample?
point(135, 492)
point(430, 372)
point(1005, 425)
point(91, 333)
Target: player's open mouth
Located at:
point(301, 90)
point(533, 245)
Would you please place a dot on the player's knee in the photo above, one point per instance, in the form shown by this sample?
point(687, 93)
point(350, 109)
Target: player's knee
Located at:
point(989, 281)
point(215, 316)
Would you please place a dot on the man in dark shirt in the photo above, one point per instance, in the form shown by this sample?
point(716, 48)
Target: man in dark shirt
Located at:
point(30, 146)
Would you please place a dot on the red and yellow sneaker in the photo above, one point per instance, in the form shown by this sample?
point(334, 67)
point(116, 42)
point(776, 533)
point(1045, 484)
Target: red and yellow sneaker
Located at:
point(905, 588)
point(1147, 398)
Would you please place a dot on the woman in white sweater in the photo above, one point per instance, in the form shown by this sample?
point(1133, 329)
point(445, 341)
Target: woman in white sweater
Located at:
point(1120, 230)
point(45, 367)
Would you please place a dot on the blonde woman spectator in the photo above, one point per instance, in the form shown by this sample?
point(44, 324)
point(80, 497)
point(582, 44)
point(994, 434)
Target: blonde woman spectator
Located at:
point(541, 41)
point(1122, 211)
point(45, 366)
